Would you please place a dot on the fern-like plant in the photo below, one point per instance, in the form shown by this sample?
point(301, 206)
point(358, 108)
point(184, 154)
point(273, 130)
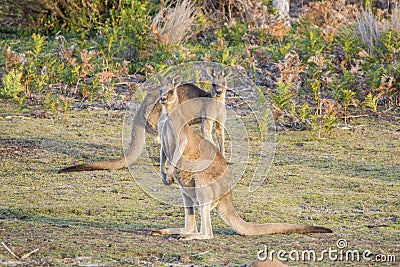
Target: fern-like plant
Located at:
point(371, 102)
point(314, 43)
point(367, 4)
point(329, 121)
point(304, 112)
point(38, 44)
point(346, 97)
point(316, 93)
point(283, 95)
point(12, 85)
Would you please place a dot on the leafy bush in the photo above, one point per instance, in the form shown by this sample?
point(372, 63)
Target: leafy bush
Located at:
point(371, 102)
point(66, 15)
point(12, 85)
point(283, 96)
point(333, 56)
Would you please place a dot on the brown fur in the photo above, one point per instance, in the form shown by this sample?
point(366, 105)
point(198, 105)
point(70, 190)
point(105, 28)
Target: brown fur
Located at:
point(145, 119)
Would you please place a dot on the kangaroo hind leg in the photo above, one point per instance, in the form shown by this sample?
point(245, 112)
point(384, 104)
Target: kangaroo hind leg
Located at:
point(206, 228)
point(204, 195)
point(190, 220)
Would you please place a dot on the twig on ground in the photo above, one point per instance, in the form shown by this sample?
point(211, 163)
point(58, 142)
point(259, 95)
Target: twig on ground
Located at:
point(10, 251)
point(200, 254)
point(28, 254)
point(23, 256)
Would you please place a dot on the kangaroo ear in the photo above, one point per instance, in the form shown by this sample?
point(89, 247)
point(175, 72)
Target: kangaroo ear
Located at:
point(177, 80)
point(161, 79)
point(210, 72)
point(227, 71)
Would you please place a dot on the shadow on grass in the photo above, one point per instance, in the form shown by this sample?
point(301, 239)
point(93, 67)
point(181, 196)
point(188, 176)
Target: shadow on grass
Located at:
point(31, 216)
point(127, 227)
point(77, 149)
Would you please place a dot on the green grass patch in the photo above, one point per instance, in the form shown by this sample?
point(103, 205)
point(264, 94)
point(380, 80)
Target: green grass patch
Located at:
point(348, 183)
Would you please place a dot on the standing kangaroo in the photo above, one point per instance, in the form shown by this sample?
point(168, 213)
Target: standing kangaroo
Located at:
point(203, 176)
point(152, 107)
point(218, 92)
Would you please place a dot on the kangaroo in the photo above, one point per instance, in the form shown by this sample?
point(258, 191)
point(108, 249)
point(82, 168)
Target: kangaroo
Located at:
point(204, 176)
point(142, 123)
point(218, 92)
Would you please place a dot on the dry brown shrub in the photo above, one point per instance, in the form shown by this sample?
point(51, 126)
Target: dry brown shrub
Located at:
point(13, 59)
point(319, 61)
point(226, 10)
point(260, 20)
point(65, 53)
point(87, 64)
point(290, 69)
point(256, 14)
point(329, 16)
point(277, 30)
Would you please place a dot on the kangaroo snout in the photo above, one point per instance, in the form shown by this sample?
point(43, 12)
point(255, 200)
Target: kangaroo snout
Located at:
point(163, 100)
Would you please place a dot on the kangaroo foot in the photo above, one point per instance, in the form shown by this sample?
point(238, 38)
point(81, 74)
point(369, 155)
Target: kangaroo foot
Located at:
point(174, 231)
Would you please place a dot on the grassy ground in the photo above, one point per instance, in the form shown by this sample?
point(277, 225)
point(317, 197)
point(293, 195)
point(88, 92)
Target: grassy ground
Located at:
point(349, 183)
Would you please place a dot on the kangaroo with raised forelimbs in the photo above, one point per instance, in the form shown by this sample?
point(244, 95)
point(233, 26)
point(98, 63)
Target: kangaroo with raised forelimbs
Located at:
point(203, 175)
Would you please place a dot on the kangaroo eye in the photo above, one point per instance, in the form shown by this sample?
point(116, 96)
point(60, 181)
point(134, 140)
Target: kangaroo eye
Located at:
point(170, 92)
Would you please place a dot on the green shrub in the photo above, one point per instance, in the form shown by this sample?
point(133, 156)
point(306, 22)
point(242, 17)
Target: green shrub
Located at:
point(312, 44)
point(283, 96)
point(12, 85)
point(371, 102)
point(338, 56)
point(80, 16)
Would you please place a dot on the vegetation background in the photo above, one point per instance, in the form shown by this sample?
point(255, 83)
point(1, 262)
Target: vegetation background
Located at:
point(329, 68)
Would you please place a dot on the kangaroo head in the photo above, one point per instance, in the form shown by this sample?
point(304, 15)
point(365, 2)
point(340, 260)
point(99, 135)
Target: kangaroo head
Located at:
point(218, 87)
point(168, 93)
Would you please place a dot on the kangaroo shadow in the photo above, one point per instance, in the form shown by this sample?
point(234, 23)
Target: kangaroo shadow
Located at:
point(62, 147)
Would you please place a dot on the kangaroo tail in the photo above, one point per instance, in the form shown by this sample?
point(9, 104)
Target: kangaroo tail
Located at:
point(100, 165)
point(145, 119)
point(228, 213)
point(135, 148)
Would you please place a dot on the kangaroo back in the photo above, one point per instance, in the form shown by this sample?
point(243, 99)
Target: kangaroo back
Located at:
point(141, 124)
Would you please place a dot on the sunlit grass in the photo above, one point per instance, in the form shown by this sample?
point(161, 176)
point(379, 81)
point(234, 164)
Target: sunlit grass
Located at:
point(348, 183)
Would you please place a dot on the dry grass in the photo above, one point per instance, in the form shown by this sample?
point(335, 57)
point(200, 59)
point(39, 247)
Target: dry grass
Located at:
point(370, 26)
point(348, 183)
point(394, 22)
point(173, 25)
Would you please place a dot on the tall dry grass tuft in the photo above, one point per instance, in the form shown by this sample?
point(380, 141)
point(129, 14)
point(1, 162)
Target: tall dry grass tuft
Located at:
point(369, 26)
point(394, 22)
point(172, 25)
